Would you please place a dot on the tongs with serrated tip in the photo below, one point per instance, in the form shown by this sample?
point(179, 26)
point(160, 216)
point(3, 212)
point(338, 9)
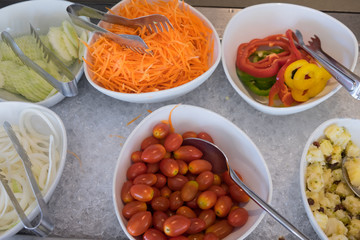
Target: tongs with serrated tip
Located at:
point(44, 225)
point(68, 89)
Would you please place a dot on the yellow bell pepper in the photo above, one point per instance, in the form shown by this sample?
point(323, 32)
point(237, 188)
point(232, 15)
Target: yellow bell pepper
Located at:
point(289, 72)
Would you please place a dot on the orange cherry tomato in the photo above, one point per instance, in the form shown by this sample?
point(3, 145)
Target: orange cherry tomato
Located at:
point(187, 153)
point(159, 219)
point(142, 192)
point(217, 179)
point(133, 207)
point(165, 191)
point(153, 153)
point(238, 217)
point(205, 136)
point(193, 203)
point(197, 225)
point(197, 236)
point(208, 216)
point(172, 142)
point(125, 192)
point(218, 190)
point(175, 201)
point(149, 141)
point(206, 199)
point(161, 180)
point(221, 229)
point(161, 130)
point(176, 183)
point(222, 206)
point(189, 190)
point(186, 212)
point(176, 225)
point(211, 236)
point(189, 134)
point(136, 169)
point(227, 179)
point(139, 223)
point(136, 156)
point(160, 203)
point(153, 167)
point(183, 167)
point(169, 167)
point(179, 238)
point(154, 234)
point(146, 178)
point(238, 194)
point(205, 180)
point(198, 166)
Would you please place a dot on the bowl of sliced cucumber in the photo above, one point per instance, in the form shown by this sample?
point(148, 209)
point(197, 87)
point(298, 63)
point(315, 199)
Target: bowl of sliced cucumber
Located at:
point(57, 33)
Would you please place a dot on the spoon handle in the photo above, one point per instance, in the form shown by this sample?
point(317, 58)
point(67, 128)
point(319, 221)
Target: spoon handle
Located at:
point(267, 207)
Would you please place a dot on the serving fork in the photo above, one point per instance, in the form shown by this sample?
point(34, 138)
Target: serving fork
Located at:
point(349, 80)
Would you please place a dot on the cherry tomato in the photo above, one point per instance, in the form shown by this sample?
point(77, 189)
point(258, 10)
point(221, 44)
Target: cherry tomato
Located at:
point(176, 183)
point(193, 203)
point(176, 225)
point(196, 226)
point(222, 206)
point(179, 238)
point(205, 136)
point(165, 191)
point(211, 236)
point(189, 134)
point(175, 200)
point(189, 190)
point(146, 178)
point(217, 179)
point(161, 130)
point(136, 169)
point(225, 187)
point(139, 223)
point(153, 167)
point(172, 142)
point(218, 190)
point(227, 179)
point(199, 166)
point(154, 234)
point(161, 180)
point(136, 156)
point(156, 192)
point(205, 180)
point(160, 203)
point(153, 153)
point(169, 167)
point(149, 141)
point(221, 229)
point(206, 199)
point(238, 194)
point(197, 236)
point(142, 192)
point(133, 207)
point(125, 192)
point(238, 217)
point(183, 167)
point(159, 219)
point(186, 212)
point(187, 153)
point(208, 216)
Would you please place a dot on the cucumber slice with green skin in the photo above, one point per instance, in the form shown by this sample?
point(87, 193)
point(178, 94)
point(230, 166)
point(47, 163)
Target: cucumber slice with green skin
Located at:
point(9, 69)
point(71, 33)
point(73, 51)
point(57, 44)
point(2, 80)
point(84, 38)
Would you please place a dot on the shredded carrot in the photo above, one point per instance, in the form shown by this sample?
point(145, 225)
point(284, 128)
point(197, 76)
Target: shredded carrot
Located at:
point(170, 122)
point(136, 118)
point(179, 55)
point(149, 111)
point(76, 156)
point(119, 136)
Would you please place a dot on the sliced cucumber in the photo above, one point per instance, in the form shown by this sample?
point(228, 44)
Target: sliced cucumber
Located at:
point(84, 38)
point(71, 33)
point(2, 80)
point(57, 44)
point(70, 47)
point(9, 70)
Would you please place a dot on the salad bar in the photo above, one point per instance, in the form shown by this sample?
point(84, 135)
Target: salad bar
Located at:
point(102, 131)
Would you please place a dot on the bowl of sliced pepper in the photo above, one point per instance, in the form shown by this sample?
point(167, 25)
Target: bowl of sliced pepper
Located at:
point(269, 70)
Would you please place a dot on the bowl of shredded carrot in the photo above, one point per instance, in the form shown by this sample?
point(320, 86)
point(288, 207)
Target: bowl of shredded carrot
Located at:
point(181, 60)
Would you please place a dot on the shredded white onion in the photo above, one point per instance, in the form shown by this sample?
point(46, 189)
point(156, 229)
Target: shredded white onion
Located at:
point(42, 148)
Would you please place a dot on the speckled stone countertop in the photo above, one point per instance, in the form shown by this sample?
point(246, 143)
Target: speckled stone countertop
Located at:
point(82, 205)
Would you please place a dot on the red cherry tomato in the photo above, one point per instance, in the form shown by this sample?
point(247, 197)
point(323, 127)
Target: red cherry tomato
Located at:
point(205, 136)
point(153, 153)
point(211, 236)
point(238, 217)
point(175, 200)
point(161, 130)
point(179, 238)
point(161, 180)
point(149, 141)
point(222, 206)
point(176, 225)
point(189, 190)
point(165, 192)
point(142, 192)
point(217, 179)
point(197, 225)
point(139, 223)
point(146, 178)
point(221, 229)
point(133, 207)
point(156, 192)
point(189, 134)
point(136, 169)
point(206, 199)
point(218, 190)
point(153, 167)
point(136, 156)
point(159, 219)
point(208, 216)
point(238, 194)
point(200, 165)
point(125, 192)
point(187, 153)
point(169, 167)
point(176, 183)
point(186, 212)
point(183, 167)
point(205, 180)
point(154, 234)
point(160, 203)
point(172, 142)
point(197, 236)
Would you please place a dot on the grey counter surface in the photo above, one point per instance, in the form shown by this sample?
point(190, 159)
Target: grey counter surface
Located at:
point(82, 205)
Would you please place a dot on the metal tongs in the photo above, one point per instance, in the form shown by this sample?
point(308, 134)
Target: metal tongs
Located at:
point(349, 80)
point(68, 89)
point(44, 226)
point(152, 22)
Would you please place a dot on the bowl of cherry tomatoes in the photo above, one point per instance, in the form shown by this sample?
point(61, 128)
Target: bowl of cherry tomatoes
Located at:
point(163, 189)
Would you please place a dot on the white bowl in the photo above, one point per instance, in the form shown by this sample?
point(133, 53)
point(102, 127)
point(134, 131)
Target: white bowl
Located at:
point(42, 14)
point(10, 111)
point(353, 126)
point(244, 157)
point(165, 95)
point(262, 20)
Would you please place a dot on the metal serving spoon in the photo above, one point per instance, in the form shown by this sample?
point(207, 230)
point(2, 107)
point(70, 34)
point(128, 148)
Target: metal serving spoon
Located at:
point(220, 163)
point(355, 190)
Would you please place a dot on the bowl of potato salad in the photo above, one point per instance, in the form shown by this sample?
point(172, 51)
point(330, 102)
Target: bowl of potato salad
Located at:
point(331, 206)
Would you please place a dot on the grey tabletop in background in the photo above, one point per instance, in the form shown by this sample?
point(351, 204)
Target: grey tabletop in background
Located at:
point(96, 125)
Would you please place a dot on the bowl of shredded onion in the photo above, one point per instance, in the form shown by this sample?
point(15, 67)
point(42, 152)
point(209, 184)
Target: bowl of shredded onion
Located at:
point(43, 136)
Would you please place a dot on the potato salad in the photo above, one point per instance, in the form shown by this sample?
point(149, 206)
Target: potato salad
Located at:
point(335, 207)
